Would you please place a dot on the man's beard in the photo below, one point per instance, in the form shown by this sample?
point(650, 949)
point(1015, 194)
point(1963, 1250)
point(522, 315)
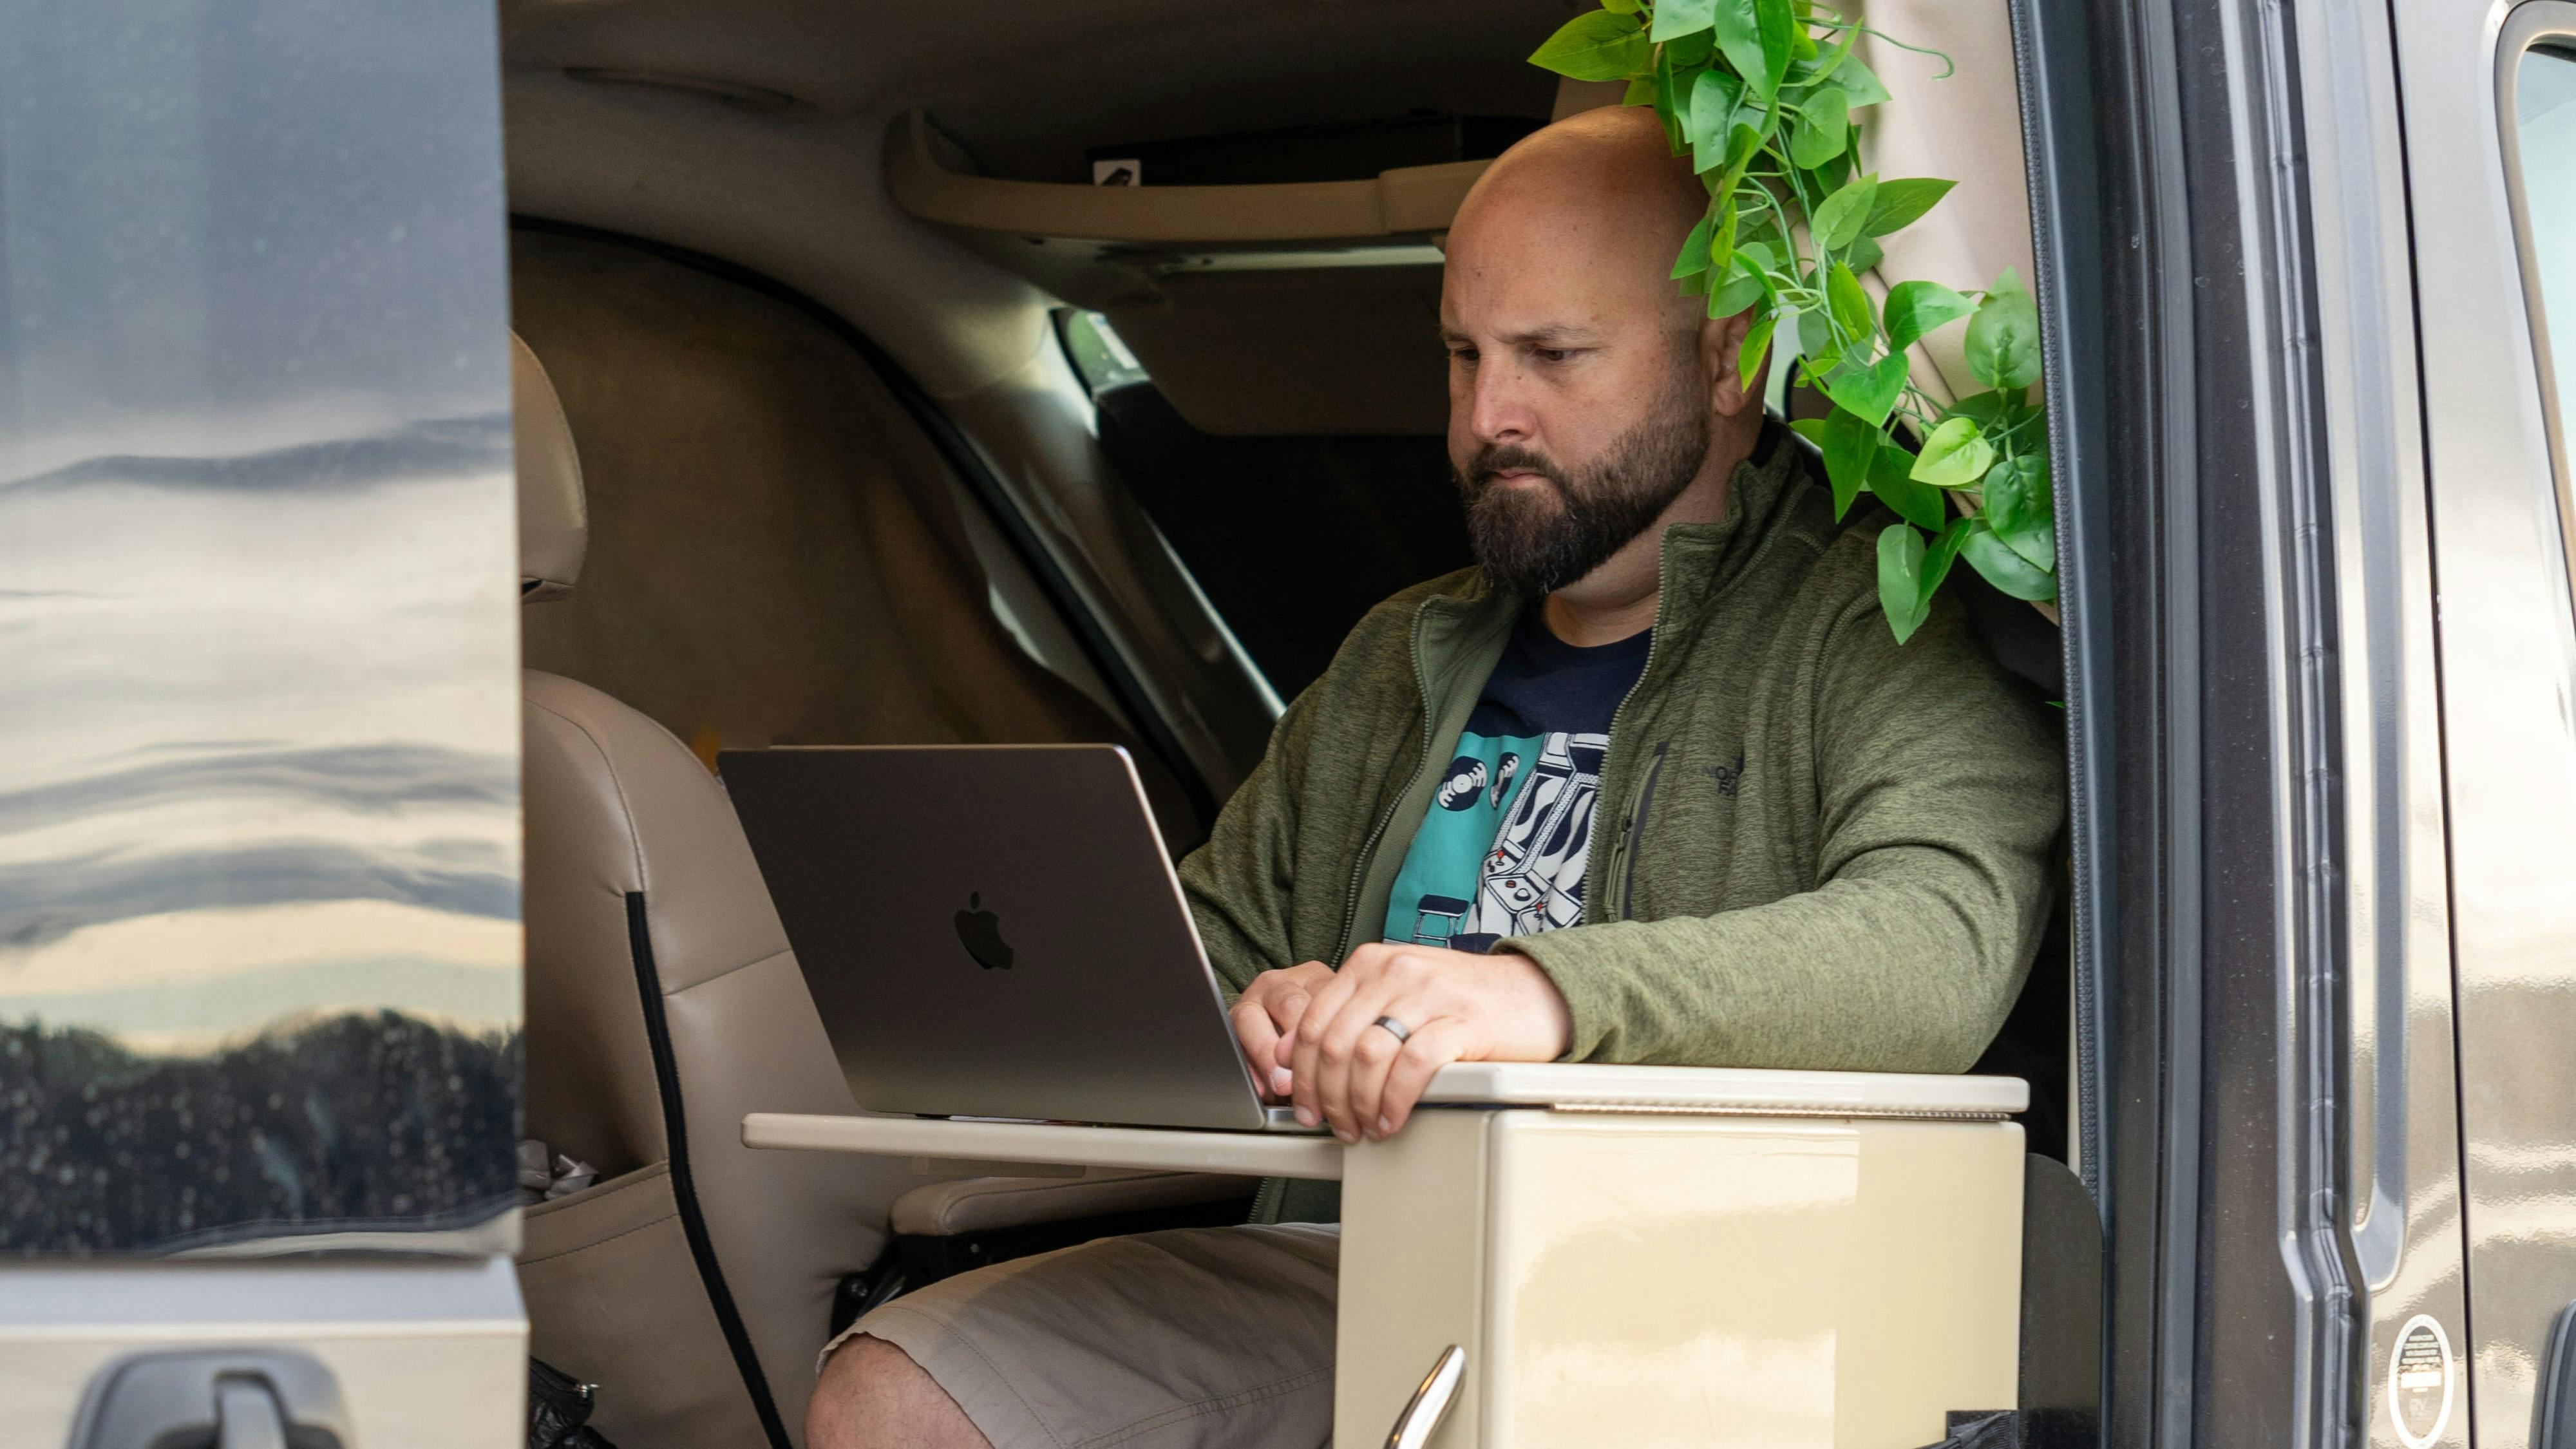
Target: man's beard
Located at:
point(1535, 539)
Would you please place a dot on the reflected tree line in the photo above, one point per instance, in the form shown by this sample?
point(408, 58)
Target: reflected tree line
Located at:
point(355, 1122)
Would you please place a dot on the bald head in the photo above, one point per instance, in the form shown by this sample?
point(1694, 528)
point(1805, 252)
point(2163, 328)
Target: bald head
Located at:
point(1590, 400)
point(1597, 192)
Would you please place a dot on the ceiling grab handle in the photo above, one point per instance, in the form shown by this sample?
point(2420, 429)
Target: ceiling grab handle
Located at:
point(1430, 1403)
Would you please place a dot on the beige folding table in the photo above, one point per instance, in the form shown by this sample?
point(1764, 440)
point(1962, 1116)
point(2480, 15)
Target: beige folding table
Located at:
point(1627, 1255)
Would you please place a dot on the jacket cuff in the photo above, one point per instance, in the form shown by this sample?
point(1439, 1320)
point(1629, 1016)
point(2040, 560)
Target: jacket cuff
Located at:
point(1590, 1006)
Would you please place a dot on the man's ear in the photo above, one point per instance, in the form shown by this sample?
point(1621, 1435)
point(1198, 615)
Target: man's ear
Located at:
point(1721, 341)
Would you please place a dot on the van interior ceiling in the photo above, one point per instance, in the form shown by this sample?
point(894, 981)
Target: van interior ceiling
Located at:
point(1067, 375)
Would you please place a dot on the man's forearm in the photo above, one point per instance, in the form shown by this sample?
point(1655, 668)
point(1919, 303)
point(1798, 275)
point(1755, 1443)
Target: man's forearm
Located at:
point(1908, 961)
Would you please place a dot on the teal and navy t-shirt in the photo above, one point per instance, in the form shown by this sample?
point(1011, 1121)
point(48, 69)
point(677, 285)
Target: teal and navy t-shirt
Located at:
point(1503, 848)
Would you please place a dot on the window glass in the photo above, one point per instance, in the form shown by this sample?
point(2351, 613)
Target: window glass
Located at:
point(1098, 353)
point(2545, 127)
point(259, 721)
point(1292, 538)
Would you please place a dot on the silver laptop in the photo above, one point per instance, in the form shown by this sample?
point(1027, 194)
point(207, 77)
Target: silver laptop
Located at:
point(995, 931)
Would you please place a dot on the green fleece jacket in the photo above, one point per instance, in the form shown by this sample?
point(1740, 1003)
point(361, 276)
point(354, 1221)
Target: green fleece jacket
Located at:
point(1828, 851)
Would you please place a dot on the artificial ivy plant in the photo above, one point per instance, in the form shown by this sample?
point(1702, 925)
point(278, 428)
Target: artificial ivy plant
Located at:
point(1762, 95)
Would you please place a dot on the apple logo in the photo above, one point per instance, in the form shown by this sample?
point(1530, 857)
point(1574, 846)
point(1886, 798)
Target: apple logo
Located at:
point(980, 932)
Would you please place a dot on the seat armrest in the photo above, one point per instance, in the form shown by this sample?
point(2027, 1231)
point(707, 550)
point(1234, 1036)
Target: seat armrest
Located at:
point(983, 1204)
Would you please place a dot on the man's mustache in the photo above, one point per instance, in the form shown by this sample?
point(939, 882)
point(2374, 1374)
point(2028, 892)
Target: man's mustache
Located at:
point(1511, 458)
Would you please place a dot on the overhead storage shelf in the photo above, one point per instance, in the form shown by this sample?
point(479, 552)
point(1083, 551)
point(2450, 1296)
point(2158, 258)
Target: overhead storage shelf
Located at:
point(1298, 307)
point(1412, 202)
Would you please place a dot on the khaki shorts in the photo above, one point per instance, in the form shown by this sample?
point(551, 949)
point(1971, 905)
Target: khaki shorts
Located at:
point(1201, 1336)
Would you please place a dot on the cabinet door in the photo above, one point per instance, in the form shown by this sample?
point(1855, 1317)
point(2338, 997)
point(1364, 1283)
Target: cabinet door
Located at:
point(2489, 95)
point(259, 777)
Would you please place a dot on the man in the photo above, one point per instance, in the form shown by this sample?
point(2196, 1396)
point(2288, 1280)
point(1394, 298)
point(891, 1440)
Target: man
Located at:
point(1653, 783)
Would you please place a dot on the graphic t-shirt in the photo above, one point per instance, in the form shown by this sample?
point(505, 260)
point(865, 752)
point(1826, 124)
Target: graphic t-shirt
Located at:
point(1503, 847)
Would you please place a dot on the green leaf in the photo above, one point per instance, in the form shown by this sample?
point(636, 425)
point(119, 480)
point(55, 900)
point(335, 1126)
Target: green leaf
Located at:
point(1712, 106)
point(1692, 49)
point(1849, 303)
point(1595, 46)
point(1721, 238)
point(1859, 84)
point(1744, 286)
point(1994, 411)
point(1756, 343)
point(1871, 391)
point(1640, 92)
point(1837, 170)
point(1741, 143)
point(2003, 338)
point(1681, 17)
point(1937, 559)
point(1760, 254)
point(1623, 7)
point(1667, 92)
point(1777, 23)
point(1811, 429)
point(1900, 579)
point(2018, 508)
point(1815, 330)
point(1823, 129)
point(1739, 36)
point(1920, 504)
point(1850, 446)
point(1838, 217)
point(1914, 309)
point(1824, 67)
point(1902, 202)
point(1862, 254)
point(1694, 257)
point(2003, 568)
point(1955, 456)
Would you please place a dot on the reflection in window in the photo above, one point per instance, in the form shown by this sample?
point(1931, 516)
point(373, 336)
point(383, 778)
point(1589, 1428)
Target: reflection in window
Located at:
point(259, 726)
point(2545, 129)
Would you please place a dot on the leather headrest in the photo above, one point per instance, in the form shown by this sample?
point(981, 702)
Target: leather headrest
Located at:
point(554, 522)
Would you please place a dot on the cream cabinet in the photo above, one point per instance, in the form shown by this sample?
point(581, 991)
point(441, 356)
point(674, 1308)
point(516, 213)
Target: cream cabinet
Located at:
point(1639, 1256)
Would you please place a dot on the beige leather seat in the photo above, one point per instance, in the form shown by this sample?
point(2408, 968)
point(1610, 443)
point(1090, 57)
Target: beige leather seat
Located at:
point(693, 1283)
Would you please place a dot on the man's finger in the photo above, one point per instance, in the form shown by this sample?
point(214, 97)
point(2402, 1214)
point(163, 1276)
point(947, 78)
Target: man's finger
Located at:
point(1374, 1058)
point(1433, 1045)
point(1259, 1038)
point(1350, 1043)
point(1306, 1065)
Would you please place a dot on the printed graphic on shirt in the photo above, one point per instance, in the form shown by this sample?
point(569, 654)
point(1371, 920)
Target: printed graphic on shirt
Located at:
point(1503, 850)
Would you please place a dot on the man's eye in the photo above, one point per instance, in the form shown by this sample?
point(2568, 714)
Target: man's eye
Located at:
point(1554, 354)
point(1466, 355)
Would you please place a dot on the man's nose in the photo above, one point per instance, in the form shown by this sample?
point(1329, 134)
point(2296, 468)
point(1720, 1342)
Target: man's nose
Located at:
point(1498, 410)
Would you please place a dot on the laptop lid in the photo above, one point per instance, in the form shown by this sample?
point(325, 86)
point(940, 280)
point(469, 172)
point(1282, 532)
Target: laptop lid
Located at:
point(993, 931)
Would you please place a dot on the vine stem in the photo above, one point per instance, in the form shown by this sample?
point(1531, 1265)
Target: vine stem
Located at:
point(1949, 67)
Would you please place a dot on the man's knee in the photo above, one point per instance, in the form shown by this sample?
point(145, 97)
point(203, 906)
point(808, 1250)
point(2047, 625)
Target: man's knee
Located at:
point(873, 1396)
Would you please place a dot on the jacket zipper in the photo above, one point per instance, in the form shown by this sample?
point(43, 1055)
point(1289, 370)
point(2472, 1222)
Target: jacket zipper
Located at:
point(1368, 848)
point(1270, 1196)
point(1635, 832)
point(1622, 849)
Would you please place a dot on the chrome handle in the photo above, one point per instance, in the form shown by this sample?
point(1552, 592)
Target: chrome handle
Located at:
point(1430, 1403)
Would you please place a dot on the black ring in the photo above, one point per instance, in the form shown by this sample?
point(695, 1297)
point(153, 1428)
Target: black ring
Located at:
point(1394, 1028)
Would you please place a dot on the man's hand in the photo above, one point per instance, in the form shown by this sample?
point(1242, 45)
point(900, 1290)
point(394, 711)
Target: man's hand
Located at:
point(1342, 1068)
point(1266, 1012)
